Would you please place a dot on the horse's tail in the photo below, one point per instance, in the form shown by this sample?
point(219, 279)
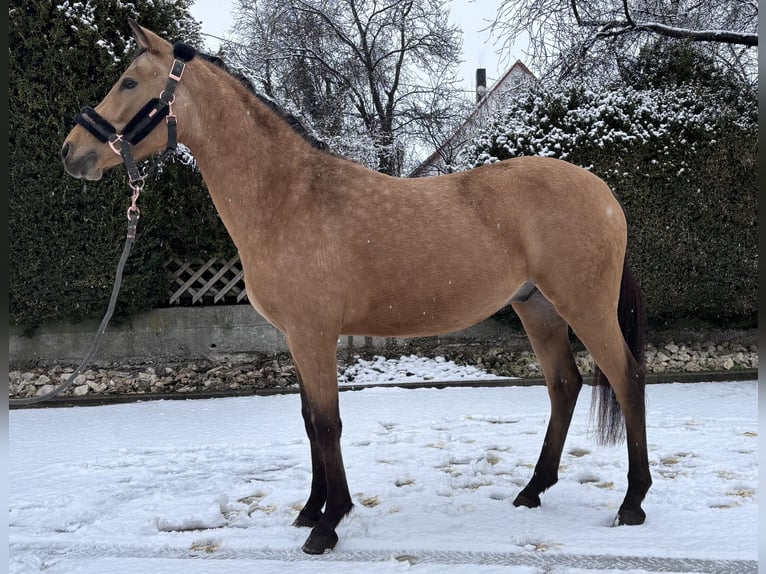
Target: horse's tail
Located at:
point(632, 319)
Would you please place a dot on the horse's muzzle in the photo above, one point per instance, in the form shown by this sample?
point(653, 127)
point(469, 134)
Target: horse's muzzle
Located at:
point(82, 167)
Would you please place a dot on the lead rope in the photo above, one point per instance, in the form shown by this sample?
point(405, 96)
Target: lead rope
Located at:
point(106, 133)
point(133, 216)
point(136, 182)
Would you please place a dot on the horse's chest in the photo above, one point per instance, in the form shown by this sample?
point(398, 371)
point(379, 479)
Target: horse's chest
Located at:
point(282, 290)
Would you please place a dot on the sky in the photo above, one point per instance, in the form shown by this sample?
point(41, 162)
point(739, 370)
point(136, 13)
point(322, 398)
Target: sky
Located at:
point(473, 16)
point(200, 486)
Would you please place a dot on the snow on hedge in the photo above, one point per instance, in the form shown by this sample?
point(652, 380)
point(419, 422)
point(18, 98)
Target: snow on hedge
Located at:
point(570, 120)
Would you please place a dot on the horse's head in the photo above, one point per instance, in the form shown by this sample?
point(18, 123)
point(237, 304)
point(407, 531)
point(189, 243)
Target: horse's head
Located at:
point(133, 111)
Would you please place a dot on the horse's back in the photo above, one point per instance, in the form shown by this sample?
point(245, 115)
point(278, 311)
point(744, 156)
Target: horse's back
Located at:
point(537, 183)
point(541, 209)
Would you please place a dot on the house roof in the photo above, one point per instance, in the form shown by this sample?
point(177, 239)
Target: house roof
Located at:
point(481, 106)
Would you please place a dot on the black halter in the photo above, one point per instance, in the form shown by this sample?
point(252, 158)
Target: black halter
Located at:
point(144, 121)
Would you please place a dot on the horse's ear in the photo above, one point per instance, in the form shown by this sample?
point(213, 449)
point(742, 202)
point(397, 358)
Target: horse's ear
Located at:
point(143, 37)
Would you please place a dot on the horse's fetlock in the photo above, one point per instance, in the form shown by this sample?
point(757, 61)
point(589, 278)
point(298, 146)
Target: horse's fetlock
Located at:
point(541, 482)
point(332, 516)
point(307, 519)
point(639, 483)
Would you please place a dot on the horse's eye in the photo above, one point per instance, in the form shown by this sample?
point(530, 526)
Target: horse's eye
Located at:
point(128, 84)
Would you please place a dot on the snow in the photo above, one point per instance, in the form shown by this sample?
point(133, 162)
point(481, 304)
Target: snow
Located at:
point(410, 369)
point(606, 118)
point(192, 487)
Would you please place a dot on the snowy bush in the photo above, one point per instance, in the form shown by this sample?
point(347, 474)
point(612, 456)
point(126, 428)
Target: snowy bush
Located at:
point(684, 164)
point(579, 124)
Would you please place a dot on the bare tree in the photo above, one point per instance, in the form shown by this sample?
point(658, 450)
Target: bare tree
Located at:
point(570, 37)
point(366, 61)
point(442, 119)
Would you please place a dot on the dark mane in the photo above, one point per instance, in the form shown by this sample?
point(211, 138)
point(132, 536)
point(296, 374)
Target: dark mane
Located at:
point(291, 120)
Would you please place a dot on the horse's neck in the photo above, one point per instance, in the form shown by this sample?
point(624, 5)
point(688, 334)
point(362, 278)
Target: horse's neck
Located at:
point(249, 157)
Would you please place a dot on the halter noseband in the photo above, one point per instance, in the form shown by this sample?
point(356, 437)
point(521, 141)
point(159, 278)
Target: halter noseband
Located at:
point(145, 120)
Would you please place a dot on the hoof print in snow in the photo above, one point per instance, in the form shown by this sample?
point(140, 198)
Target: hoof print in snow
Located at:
point(578, 452)
point(588, 478)
point(408, 558)
point(369, 501)
point(206, 546)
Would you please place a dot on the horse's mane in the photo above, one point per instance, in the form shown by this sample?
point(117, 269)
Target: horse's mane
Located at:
point(289, 118)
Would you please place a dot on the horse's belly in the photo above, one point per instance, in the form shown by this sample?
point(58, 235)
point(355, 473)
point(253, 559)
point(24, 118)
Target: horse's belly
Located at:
point(423, 315)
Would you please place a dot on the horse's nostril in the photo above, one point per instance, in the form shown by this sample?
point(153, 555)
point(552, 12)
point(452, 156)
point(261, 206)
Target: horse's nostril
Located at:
point(65, 151)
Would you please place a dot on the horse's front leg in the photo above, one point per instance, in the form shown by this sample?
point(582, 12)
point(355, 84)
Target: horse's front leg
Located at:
point(315, 360)
point(312, 510)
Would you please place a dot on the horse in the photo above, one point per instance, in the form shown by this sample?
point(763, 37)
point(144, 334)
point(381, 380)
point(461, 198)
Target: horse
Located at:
point(332, 248)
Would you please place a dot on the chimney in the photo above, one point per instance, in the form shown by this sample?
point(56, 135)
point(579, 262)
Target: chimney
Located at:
point(481, 83)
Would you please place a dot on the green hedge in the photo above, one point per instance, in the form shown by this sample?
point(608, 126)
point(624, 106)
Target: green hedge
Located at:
point(66, 235)
point(683, 162)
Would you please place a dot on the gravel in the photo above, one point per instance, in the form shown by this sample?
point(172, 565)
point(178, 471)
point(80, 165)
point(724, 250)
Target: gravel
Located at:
point(278, 372)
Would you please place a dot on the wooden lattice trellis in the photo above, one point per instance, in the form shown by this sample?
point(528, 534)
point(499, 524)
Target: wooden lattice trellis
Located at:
point(214, 281)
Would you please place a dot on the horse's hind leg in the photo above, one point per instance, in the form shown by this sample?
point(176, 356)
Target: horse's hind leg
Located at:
point(549, 336)
point(315, 360)
point(606, 343)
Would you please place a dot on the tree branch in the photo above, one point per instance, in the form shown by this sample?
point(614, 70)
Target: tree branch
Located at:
point(616, 27)
point(723, 36)
point(627, 13)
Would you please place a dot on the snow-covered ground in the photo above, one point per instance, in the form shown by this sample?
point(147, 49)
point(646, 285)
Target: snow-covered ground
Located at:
point(409, 369)
point(212, 486)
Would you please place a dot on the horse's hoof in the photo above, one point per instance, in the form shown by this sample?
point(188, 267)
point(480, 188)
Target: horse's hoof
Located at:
point(320, 540)
point(304, 520)
point(528, 500)
point(630, 517)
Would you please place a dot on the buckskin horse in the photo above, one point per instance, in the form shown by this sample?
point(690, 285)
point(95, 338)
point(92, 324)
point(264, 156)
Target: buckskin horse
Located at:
point(331, 248)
